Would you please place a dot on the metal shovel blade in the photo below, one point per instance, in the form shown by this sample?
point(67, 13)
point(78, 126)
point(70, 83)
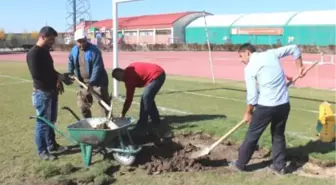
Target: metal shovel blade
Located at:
point(200, 153)
point(206, 151)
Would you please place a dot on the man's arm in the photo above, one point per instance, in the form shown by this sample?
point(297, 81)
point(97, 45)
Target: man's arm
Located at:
point(97, 65)
point(130, 89)
point(71, 65)
point(294, 51)
point(32, 60)
point(252, 92)
point(284, 51)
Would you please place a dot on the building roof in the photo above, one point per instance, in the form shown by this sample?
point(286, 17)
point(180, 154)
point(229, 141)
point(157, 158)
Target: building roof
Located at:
point(215, 21)
point(326, 17)
point(144, 21)
point(264, 19)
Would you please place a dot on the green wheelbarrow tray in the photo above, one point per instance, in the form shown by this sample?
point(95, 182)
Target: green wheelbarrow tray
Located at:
point(109, 140)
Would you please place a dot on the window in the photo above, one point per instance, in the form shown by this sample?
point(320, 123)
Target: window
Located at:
point(130, 33)
point(146, 33)
point(163, 32)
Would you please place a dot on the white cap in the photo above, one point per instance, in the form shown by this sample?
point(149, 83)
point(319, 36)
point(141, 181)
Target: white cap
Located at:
point(80, 34)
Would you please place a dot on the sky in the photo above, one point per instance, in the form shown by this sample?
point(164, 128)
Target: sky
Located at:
point(31, 15)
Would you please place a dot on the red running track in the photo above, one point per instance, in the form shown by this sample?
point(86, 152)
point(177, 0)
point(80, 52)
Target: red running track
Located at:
point(226, 65)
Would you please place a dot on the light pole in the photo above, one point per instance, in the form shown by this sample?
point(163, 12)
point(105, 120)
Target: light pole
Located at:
point(115, 39)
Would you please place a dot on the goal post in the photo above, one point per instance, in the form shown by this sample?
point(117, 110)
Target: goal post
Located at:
point(115, 38)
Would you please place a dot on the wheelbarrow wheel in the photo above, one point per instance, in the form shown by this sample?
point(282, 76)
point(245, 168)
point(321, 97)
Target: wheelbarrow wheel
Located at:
point(124, 159)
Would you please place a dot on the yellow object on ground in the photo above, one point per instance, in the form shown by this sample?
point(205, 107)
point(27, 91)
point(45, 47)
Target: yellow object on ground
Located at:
point(326, 123)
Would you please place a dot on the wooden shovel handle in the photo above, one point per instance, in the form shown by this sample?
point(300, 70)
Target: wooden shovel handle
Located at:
point(306, 71)
point(227, 134)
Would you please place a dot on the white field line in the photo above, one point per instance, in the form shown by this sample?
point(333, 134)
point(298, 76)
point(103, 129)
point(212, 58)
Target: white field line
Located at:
point(12, 83)
point(165, 109)
point(234, 99)
point(15, 78)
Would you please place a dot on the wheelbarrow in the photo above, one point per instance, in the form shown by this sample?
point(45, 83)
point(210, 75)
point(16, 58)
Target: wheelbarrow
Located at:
point(110, 140)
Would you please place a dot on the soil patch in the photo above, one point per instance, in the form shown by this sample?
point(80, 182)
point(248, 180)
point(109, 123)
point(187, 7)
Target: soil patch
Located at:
point(173, 156)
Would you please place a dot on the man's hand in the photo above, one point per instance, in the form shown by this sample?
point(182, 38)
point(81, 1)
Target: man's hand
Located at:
point(89, 88)
point(301, 72)
point(60, 88)
point(68, 79)
point(300, 67)
point(247, 117)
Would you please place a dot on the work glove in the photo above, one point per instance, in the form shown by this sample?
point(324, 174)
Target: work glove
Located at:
point(67, 78)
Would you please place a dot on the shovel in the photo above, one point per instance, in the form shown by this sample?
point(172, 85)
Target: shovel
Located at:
point(306, 71)
point(96, 95)
point(207, 150)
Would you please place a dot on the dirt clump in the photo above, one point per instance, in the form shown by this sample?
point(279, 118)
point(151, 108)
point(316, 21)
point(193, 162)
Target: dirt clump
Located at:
point(174, 156)
point(178, 162)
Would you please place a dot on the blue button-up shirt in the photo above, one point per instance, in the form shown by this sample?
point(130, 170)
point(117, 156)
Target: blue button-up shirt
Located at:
point(264, 71)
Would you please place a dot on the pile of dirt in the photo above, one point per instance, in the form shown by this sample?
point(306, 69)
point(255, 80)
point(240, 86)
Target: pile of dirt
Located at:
point(174, 156)
point(179, 161)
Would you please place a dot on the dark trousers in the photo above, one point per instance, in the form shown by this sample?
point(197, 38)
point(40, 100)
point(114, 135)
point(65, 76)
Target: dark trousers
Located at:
point(261, 118)
point(147, 105)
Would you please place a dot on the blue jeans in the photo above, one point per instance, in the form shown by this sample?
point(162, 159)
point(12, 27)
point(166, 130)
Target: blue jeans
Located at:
point(45, 104)
point(147, 105)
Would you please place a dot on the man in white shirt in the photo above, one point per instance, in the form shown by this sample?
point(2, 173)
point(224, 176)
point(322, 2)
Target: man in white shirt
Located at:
point(270, 101)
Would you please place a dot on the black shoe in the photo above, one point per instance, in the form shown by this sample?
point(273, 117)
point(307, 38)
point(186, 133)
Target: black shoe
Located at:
point(234, 165)
point(46, 156)
point(57, 149)
point(138, 131)
point(277, 172)
point(163, 132)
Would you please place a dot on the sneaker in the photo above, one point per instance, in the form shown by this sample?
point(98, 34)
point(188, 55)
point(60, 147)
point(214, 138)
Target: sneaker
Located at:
point(46, 156)
point(57, 149)
point(234, 165)
point(277, 172)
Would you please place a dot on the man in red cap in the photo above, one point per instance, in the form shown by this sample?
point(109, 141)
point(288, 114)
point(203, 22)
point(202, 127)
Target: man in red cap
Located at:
point(150, 76)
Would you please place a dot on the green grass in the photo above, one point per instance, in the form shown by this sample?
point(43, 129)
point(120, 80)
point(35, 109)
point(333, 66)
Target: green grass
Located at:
point(206, 104)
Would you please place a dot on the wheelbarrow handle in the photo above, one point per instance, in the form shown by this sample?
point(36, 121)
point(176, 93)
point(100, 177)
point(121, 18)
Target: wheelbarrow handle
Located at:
point(96, 95)
point(54, 127)
point(72, 112)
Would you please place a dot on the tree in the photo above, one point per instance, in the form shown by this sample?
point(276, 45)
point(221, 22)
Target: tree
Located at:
point(24, 36)
point(34, 35)
point(2, 34)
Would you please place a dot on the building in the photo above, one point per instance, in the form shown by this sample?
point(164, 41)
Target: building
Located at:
point(304, 28)
point(150, 29)
point(218, 26)
point(312, 28)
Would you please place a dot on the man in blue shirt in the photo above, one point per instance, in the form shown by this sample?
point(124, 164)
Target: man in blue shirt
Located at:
point(86, 62)
point(270, 101)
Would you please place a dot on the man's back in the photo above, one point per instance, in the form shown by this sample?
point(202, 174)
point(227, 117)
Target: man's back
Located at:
point(141, 73)
point(266, 68)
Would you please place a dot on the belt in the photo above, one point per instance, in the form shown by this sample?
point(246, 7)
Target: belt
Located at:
point(50, 91)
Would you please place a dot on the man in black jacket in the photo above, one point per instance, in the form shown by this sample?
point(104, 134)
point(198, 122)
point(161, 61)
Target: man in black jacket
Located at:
point(47, 85)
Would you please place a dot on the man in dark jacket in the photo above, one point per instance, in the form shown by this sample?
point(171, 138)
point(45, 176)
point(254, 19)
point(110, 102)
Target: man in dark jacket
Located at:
point(86, 63)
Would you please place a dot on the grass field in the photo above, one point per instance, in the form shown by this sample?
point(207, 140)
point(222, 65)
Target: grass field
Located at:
point(189, 104)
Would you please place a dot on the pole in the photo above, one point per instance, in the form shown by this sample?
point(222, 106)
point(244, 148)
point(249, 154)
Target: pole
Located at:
point(115, 44)
point(74, 15)
point(209, 47)
point(115, 39)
